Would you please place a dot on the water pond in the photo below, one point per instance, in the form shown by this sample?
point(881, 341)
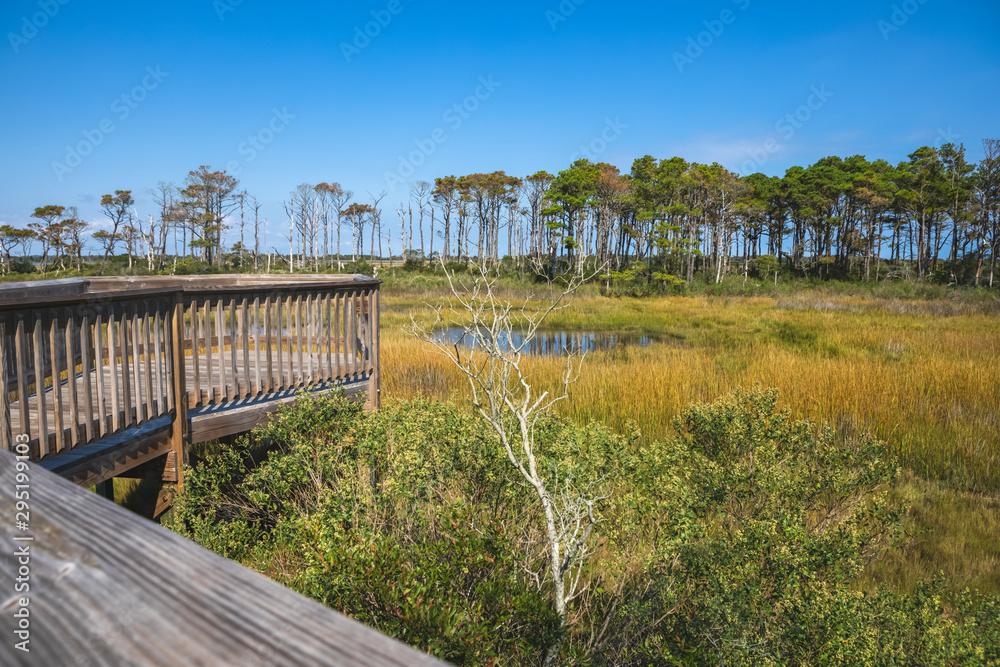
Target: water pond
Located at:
point(556, 343)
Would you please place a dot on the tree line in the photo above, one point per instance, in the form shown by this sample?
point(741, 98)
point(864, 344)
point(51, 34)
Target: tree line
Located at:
point(935, 214)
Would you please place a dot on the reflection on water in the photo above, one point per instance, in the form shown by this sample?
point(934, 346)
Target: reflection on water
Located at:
point(553, 343)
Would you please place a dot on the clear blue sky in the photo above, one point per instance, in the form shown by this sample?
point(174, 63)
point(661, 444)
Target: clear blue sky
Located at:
point(200, 77)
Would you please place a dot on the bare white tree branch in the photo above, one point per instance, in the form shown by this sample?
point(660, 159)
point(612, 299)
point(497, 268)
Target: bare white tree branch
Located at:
point(490, 353)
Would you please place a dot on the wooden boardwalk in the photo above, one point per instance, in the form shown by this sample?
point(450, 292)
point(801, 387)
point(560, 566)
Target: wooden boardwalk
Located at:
point(102, 375)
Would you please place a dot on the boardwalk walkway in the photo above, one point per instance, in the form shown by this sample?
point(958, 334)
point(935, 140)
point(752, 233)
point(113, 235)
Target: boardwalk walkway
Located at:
point(101, 375)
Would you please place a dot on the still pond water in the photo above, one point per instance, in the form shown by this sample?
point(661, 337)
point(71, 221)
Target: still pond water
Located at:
point(555, 343)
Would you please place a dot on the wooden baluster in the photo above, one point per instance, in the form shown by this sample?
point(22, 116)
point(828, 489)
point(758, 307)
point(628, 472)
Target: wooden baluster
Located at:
point(346, 321)
point(358, 332)
point(299, 331)
point(352, 333)
point(43, 422)
point(320, 304)
point(308, 326)
point(256, 345)
point(102, 406)
point(147, 362)
point(318, 329)
point(268, 335)
point(209, 356)
point(282, 331)
point(316, 337)
point(21, 350)
point(143, 390)
point(195, 311)
point(137, 382)
point(231, 325)
point(123, 345)
point(74, 408)
point(330, 334)
point(85, 362)
point(316, 317)
point(55, 343)
point(337, 332)
point(163, 405)
point(245, 342)
point(220, 333)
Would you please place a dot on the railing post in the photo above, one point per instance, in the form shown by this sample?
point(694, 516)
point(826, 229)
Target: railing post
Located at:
point(374, 381)
point(179, 434)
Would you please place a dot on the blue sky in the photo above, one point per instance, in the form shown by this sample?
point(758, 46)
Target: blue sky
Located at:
point(124, 95)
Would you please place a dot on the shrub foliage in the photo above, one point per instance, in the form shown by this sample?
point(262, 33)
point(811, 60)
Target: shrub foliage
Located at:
point(738, 541)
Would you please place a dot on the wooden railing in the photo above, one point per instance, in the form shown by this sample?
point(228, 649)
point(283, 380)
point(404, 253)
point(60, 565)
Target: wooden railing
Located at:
point(86, 358)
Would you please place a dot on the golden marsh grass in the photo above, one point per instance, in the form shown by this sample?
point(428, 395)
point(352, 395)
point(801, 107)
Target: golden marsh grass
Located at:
point(922, 376)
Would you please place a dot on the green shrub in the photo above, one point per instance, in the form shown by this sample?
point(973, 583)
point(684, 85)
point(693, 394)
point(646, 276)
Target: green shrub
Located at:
point(189, 266)
point(402, 520)
point(360, 267)
point(739, 541)
point(22, 265)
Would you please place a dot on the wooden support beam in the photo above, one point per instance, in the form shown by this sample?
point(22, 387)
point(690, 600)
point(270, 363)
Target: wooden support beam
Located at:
point(164, 500)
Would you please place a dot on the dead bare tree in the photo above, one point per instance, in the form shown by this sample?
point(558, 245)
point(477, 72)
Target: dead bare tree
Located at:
point(499, 335)
point(255, 205)
point(376, 220)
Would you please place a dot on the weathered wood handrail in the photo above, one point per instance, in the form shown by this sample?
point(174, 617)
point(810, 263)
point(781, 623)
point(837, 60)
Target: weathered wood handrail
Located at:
point(92, 583)
point(86, 358)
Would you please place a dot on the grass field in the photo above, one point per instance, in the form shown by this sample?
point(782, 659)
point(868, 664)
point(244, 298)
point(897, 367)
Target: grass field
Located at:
point(921, 374)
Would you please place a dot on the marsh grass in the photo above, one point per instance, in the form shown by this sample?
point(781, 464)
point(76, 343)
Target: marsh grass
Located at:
point(922, 376)
point(948, 531)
